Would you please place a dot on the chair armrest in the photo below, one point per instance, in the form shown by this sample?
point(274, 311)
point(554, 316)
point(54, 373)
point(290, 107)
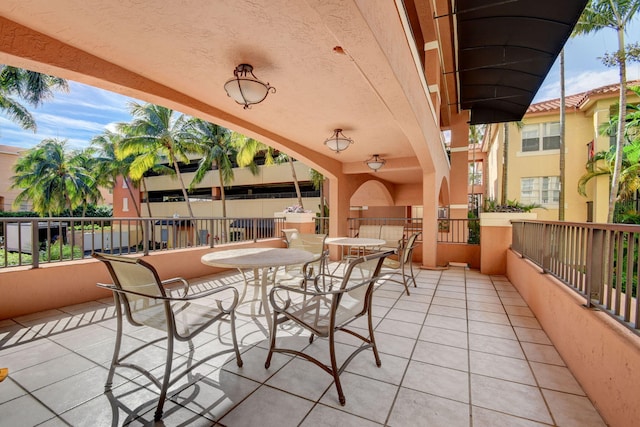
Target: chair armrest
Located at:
point(175, 283)
point(192, 297)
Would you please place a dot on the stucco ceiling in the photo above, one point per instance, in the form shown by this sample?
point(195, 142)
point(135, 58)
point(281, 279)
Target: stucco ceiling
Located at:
point(192, 47)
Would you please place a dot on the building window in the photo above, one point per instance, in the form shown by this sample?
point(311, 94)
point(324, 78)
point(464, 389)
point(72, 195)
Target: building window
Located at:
point(475, 173)
point(541, 136)
point(541, 190)
point(125, 204)
point(124, 183)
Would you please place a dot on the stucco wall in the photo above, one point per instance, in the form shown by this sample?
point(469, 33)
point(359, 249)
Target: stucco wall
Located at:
point(51, 286)
point(602, 355)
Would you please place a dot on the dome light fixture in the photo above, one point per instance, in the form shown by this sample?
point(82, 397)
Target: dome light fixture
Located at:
point(245, 88)
point(375, 162)
point(338, 142)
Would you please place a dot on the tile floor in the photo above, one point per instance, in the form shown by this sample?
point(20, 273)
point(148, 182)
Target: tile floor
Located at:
point(462, 350)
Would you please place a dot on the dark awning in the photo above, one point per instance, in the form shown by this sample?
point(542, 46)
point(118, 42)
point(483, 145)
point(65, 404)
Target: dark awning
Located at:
point(505, 50)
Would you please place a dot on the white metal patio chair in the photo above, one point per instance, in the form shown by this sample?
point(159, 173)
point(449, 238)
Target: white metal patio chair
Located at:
point(403, 266)
point(145, 300)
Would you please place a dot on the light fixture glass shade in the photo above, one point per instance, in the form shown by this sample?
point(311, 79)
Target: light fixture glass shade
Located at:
point(338, 142)
point(245, 88)
point(375, 162)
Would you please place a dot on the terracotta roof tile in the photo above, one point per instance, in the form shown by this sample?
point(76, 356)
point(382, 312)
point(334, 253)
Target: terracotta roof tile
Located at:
point(577, 100)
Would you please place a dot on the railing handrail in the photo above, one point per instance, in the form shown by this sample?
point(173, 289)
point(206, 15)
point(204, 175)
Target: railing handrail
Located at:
point(598, 261)
point(30, 241)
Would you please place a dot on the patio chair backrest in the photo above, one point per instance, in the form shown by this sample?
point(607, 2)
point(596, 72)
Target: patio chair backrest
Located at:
point(407, 251)
point(314, 243)
point(360, 270)
point(136, 275)
point(369, 231)
point(392, 235)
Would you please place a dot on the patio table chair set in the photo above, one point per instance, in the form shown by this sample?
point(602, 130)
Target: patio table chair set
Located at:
point(326, 305)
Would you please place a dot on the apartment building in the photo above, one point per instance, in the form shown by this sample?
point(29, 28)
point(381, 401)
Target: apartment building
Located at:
point(533, 154)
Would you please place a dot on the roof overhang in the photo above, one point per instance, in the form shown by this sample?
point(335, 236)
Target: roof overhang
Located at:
point(505, 50)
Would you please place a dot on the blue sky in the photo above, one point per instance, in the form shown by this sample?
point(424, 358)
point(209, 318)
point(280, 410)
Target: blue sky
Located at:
point(87, 111)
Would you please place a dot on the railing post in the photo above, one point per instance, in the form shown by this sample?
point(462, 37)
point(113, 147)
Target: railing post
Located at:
point(595, 258)
point(35, 244)
point(546, 248)
point(146, 236)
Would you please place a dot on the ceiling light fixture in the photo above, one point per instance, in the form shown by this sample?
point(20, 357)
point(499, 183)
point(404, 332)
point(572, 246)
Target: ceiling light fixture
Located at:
point(245, 88)
point(375, 162)
point(338, 142)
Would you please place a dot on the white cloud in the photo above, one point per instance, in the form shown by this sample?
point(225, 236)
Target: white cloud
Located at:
point(585, 81)
point(58, 122)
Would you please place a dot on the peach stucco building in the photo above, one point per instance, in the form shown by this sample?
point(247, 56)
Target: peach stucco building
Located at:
point(534, 157)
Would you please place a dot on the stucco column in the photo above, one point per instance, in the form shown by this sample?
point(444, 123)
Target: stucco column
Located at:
point(459, 176)
point(429, 221)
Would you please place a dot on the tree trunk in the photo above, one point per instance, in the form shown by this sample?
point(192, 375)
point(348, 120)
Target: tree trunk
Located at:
point(295, 182)
point(144, 191)
point(183, 188)
point(615, 176)
point(505, 163)
point(222, 195)
point(562, 138)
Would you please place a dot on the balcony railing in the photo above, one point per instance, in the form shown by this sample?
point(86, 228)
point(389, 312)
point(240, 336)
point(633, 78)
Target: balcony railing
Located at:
point(598, 261)
point(462, 230)
point(31, 241)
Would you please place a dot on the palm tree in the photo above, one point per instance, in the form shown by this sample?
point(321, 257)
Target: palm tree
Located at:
point(603, 162)
point(90, 193)
point(215, 145)
point(156, 134)
point(109, 166)
point(614, 14)
point(51, 178)
point(32, 87)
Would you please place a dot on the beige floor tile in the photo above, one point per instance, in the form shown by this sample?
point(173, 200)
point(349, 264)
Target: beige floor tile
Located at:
point(450, 294)
point(396, 327)
point(394, 344)
point(537, 336)
point(443, 310)
point(419, 307)
point(485, 316)
point(505, 368)
point(486, 418)
point(444, 336)
point(557, 378)
point(572, 411)
point(406, 316)
point(483, 306)
point(482, 291)
point(518, 311)
point(542, 353)
point(414, 408)
point(373, 405)
point(491, 329)
point(494, 345)
point(390, 371)
point(520, 400)
point(436, 380)
point(301, 378)
point(525, 322)
point(449, 302)
point(257, 409)
point(446, 322)
point(514, 301)
point(484, 298)
point(441, 355)
point(322, 415)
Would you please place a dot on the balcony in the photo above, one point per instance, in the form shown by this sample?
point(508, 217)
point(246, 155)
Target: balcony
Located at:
point(464, 346)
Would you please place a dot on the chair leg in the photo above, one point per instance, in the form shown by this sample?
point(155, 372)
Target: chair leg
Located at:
point(165, 380)
point(234, 338)
point(372, 338)
point(272, 341)
point(335, 369)
point(117, 345)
